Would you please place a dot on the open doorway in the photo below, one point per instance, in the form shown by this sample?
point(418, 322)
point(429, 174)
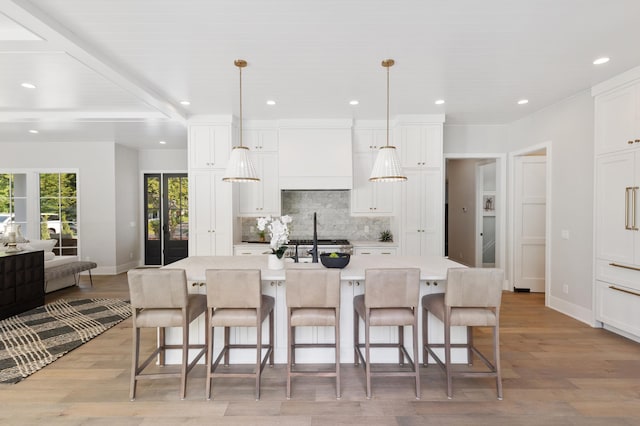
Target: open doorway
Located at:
point(475, 209)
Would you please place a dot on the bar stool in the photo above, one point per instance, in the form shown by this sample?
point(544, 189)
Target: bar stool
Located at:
point(313, 300)
point(159, 299)
point(235, 299)
point(472, 298)
point(390, 298)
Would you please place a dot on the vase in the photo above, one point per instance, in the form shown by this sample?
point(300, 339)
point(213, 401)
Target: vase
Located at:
point(274, 262)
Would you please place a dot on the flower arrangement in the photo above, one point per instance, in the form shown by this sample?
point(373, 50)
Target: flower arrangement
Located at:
point(278, 231)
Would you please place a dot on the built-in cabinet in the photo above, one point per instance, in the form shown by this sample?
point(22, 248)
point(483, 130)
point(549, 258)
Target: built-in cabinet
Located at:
point(261, 198)
point(617, 205)
point(211, 206)
point(422, 215)
point(369, 198)
point(21, 282)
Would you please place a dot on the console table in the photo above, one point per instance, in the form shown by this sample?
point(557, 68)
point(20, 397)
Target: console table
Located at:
point(21, 282)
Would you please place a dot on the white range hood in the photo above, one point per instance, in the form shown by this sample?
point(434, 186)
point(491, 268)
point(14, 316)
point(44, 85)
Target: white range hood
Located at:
point(315, 154)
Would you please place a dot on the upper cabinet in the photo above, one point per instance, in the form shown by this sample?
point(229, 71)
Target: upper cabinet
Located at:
point(261, 198)
point(420, 145)
point(209, 145)
point(369, 198)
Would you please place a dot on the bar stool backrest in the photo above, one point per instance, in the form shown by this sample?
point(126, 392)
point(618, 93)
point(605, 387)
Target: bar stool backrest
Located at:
point(392, 288)
point(313, 288)
point(474, 287)
point(157, 288)
point(234, 288)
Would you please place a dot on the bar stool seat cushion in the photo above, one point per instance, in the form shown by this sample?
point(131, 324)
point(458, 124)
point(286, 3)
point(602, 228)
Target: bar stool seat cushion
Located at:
point(308, 317)
point(474, 317)
point(241, 317)
point(172, 317)
point(384, 316)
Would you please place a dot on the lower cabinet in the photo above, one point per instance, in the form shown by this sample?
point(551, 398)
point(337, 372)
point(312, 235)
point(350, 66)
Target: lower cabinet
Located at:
point(375, 250)
point(21, 282)
point(618, 306)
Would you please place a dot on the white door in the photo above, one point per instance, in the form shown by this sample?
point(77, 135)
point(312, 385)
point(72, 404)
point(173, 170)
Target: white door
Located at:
point(529, 223)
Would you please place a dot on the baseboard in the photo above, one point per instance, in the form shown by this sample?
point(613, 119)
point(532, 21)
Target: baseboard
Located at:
point(113, 270)
point(574, 311)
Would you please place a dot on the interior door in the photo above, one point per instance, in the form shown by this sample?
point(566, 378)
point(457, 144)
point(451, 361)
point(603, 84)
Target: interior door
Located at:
point(153, 219)
point(175, 224)
point(530, 223)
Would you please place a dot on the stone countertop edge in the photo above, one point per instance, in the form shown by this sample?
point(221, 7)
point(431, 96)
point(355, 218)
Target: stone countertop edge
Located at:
point(432, 268)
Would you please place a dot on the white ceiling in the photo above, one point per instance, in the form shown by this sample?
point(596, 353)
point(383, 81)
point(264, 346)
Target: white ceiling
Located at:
point(110, 70)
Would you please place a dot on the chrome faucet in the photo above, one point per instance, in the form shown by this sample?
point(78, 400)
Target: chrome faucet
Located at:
point(314, 250)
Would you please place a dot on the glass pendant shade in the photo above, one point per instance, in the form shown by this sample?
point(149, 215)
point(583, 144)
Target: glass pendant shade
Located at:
point(387, 166)
point(240, 167)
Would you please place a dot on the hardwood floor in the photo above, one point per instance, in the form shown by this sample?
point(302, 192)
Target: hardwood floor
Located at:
point(557, 371)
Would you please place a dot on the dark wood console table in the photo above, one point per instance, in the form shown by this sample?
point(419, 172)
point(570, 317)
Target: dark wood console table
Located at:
point(21, 282)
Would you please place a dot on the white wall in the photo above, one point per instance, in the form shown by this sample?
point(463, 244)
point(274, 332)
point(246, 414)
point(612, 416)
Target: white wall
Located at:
point(127, 183)
point(569, 126)
point(96, 187)
point(475, 139)
point(162, 160)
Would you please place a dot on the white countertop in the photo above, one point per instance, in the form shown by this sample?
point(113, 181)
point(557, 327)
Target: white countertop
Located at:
point(432, 268)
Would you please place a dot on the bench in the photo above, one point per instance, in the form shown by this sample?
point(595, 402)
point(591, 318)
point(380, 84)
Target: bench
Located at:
point(69, 269)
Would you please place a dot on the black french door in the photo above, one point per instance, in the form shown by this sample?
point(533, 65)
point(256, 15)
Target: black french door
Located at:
point(167, 218)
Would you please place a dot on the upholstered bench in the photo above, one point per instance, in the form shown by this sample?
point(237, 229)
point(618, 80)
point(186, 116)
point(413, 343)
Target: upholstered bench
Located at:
point(72, 268)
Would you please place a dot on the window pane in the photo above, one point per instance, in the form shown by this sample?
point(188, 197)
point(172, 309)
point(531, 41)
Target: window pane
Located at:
point(68, 209)
point(153, 193)
point(49, 185)
point(68, 185)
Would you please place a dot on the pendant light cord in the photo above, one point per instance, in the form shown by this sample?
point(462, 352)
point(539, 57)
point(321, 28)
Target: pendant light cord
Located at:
point(388, 106)
point(240, 68)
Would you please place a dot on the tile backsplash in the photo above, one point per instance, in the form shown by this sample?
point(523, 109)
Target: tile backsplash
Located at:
point(333, 217)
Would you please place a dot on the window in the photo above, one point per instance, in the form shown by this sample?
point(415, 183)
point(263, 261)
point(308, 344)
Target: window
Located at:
point(13, 200)
point(59, 211)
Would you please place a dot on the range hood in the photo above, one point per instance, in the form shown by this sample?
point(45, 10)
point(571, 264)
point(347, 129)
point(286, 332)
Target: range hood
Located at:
point(315, 155)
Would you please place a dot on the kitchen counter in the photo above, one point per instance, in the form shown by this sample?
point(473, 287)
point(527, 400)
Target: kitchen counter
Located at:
point(432, 268)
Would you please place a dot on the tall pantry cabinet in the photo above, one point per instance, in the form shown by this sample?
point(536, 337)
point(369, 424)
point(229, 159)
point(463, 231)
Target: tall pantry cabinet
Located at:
point(211, 209)
point(617, 204)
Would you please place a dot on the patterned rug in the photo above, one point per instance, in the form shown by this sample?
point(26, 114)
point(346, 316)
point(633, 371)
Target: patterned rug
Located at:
point(36, 338)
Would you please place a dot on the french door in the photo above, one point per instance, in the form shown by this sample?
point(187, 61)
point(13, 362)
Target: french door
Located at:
point(166, 201)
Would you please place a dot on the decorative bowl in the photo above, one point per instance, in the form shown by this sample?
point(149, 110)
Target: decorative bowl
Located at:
point(335, 262)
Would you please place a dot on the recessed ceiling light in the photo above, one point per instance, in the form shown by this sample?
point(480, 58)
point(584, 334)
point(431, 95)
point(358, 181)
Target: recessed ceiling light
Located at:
point(439, 102)
point(271, 102)
point(185, 103)
point(523, 101)
point(354, 102)
point(35, 132)
point(162, 142)
point(601, 61)
point(28, 85)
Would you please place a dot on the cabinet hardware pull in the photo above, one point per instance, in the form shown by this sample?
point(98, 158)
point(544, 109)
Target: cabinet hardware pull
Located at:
point(633, 207)
point(637, 140)
point(624, 291)
point(626, 208)
point(629, 142)
point(617, 265)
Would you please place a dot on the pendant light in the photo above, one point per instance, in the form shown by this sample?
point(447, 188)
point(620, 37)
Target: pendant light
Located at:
point(387, 166)
point(240, 168)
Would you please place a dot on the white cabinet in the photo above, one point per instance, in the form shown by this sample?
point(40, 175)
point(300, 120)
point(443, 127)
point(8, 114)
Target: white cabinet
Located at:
point(261, 198)
point(209, 145)
point(251, 250)
point(618, 120)
point(392, 251)
point(617, 222)
point(210, 224)
point(420, 146)
point(617, 204)
point(422, 215)
point(370, 198)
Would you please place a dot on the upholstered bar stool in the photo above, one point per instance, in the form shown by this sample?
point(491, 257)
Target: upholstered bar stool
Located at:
point(159, 299)
point(313, 299)
point(472, 298)
point(390, 298)
point(235, 299)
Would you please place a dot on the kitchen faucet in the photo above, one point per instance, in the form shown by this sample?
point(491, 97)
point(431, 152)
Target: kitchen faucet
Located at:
point(314, 250)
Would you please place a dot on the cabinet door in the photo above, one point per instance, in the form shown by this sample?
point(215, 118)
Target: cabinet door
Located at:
point(615, 176)
point(432, 213)
point(209, 146)
point(421, 146)
point(617, 124)
point(202, 213)
point(261, 198)
point(362, 193)
point(412, 214)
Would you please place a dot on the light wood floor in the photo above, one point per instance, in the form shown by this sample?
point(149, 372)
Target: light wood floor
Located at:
point(557, 371)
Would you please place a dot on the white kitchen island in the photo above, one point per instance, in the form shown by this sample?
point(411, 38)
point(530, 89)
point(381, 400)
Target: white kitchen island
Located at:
point(433, 273)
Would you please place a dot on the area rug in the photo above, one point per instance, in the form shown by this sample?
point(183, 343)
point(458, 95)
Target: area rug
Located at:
point(34, 339)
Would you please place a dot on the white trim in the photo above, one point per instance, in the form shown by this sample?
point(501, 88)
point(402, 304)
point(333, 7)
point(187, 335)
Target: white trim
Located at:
point(501, 196)
point(577, 312)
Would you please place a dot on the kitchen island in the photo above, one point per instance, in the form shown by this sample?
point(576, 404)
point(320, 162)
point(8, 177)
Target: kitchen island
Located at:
point(433, 273)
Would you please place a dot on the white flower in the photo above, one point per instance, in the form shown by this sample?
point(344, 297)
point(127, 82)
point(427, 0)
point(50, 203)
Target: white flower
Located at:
point(277, 228)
